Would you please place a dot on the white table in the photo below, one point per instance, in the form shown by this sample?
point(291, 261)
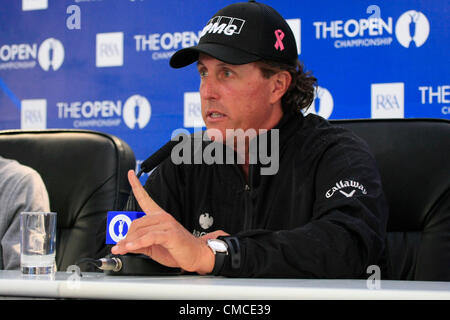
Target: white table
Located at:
point(188, 287)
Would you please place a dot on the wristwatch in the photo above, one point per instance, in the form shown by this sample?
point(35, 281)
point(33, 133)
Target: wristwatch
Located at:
point(220, 250)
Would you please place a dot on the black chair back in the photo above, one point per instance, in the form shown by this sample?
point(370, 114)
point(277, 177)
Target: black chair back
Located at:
point(85, 173)
point(413, 156)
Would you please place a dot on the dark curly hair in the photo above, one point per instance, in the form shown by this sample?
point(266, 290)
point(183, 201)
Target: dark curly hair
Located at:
point(300, 93)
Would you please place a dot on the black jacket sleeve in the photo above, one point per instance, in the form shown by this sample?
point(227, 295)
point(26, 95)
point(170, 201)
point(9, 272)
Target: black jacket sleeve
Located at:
point(345, 235)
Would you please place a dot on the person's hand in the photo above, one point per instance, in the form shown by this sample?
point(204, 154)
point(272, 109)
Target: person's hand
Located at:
point(161, 237)
point(214, 235)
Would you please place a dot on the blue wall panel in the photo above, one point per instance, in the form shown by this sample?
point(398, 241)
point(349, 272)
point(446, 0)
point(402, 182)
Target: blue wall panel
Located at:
point(103, 64)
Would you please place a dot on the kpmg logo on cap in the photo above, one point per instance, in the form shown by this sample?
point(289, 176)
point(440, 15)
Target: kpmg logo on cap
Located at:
point(412, 29)
point(118, 223)
point(222, 24)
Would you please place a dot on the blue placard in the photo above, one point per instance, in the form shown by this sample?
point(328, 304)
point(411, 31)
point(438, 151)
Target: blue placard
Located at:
point(118, 223)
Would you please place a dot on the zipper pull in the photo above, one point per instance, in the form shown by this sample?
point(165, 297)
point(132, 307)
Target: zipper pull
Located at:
point(247, 188)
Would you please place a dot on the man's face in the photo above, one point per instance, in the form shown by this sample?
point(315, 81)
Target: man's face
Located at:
point(236, 96)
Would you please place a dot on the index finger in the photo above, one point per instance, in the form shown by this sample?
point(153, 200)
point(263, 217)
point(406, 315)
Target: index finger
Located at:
point(142, 197)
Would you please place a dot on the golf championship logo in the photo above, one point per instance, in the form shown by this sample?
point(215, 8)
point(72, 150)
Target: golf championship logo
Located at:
point(323, 103)
point(118, 223)
point(412, 29)
point(137, 112)
point(51, 54)
point(118, 227)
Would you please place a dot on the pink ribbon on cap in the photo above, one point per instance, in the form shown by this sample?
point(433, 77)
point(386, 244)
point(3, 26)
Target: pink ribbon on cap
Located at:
point(279, 43)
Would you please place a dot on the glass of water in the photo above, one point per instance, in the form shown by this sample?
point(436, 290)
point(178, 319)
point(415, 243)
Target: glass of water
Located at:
point(37, 246)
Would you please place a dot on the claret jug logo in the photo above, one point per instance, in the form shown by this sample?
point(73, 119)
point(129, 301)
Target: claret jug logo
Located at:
point(322, 104)
point(118, 227)
point(51, 54)
point(136, 112)
point(412, 29)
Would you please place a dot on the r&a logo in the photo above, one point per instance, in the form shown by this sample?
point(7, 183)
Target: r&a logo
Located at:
point(33, 114)
point(28, 5)
point(109, 49)
point(193, 110)
point(387, 100)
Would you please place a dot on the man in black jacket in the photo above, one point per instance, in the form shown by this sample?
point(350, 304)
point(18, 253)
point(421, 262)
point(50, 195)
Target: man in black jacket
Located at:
point(320, 214)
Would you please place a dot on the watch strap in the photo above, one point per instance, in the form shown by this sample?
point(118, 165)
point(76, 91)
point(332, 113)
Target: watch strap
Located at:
point(218, 263)
point(234, 250)
point(234, 253)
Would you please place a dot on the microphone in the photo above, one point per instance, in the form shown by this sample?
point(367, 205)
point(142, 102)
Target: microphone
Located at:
point(106, 264)
point(130, 265)
point(152, 162)
point(148, 165)
point(155, 159)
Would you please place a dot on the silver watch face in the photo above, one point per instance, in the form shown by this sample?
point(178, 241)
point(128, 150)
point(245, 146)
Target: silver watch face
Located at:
point(217, 245)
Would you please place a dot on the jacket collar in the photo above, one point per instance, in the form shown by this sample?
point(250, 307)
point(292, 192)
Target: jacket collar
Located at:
point(287, 127)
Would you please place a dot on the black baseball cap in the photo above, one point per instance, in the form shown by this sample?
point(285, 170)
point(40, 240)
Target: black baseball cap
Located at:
point(241, 33)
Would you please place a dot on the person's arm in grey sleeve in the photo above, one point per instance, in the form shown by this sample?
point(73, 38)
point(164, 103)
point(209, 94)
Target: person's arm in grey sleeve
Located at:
point(28, 193)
